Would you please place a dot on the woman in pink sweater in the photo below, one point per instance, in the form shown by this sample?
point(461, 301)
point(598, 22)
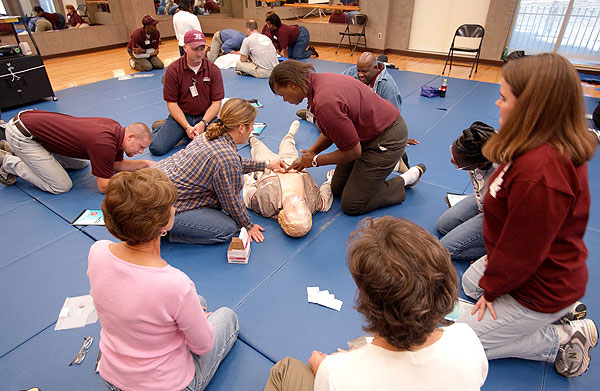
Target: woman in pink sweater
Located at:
point(156, 333)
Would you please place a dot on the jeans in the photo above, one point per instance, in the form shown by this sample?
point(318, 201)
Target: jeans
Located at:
point(225, 324)
point(202, 226)
point(35, 164)
point(518, 332)
point(170, 133)
point(462, 227)
point(362, 183)
point(297, 50)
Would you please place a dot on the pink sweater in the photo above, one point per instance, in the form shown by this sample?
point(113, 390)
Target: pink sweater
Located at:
point(150, 317)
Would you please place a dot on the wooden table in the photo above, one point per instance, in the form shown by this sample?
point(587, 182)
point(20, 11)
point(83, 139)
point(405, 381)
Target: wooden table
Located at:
point(320, 7)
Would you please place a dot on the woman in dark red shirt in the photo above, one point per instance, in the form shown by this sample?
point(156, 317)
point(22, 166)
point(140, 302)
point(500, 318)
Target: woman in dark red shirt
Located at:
point(75, 21)
point(290, 40)
point(535, 215)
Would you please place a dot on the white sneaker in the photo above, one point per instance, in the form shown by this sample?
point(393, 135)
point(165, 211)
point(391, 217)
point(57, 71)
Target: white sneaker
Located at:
point(573, 357)
point(294, 127)
point(132, 63)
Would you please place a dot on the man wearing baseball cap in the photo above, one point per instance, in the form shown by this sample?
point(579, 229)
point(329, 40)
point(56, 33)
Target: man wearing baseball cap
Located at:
point(193, 90)
point(143, 46)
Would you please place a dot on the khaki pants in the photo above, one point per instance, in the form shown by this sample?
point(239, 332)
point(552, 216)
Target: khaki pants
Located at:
point(290, 374)
point(252, 69)
point(215, 47)
point(146, 64)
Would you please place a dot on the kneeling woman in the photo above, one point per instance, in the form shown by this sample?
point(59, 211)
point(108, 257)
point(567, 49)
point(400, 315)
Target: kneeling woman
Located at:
point(208, 178)
point(156, 334)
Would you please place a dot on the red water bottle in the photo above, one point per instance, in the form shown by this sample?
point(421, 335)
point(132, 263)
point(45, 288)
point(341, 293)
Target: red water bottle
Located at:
point(444, 88)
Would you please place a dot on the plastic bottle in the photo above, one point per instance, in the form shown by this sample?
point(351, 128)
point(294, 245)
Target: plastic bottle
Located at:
point(444, 88)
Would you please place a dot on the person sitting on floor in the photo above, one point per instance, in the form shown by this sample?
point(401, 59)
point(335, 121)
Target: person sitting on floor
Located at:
point(224, 42)
point(193, 90)
point(406, 286)
point(258, 56)
point(291, 197)
point(208, 177)
point(338, 17)
point(56, 19)
point(535, 216)
point(462, 224)
point(75, 20)
point(290, 40)
point(160, 337)
point(143, 46)
point(41, 145)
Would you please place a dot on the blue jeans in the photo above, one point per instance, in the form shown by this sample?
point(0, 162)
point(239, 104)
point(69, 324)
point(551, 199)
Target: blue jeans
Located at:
point(202, 226)
point(462, 227)
point(518, 332)
point(170, 133)
point(298, 50)
point(225, 324)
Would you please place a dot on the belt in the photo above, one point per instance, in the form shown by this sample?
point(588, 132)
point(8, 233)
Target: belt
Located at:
point(19, 125)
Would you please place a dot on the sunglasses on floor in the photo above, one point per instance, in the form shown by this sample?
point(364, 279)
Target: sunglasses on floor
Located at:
point(87, 342)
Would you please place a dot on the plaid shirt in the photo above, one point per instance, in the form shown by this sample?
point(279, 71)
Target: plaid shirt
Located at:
point(208, 174)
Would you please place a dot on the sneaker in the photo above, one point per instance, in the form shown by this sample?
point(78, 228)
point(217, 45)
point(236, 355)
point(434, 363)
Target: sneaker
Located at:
point(5, 178)
point(158, 123)
point(314, 52)
point(302, 113)
point(578, 312)
point(294, 127)
point(573, 357)
point(5, 147)
point(132, 63)
point(421, 167)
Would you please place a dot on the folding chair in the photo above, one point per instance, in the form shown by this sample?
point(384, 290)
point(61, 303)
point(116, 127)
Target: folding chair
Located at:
point(474, 31)
point(353, 29)
point(82, 11)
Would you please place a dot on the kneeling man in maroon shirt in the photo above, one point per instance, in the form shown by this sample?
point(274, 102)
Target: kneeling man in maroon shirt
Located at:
point(42, 144)
point(143, 46)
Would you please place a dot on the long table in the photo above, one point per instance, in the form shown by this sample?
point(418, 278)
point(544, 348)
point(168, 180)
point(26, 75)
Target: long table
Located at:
point(320, 7)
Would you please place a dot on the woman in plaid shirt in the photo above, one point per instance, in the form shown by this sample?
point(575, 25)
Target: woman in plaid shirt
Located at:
point(208, 177)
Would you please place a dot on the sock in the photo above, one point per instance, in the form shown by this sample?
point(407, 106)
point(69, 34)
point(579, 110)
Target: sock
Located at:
point(411, 175)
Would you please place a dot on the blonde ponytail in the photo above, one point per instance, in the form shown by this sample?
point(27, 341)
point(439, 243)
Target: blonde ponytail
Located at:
point(234, 112)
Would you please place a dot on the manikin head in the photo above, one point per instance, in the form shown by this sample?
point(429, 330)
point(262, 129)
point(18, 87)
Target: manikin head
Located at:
point(295, 217)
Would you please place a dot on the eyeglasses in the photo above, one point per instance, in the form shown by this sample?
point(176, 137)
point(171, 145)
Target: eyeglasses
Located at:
point(87, 342)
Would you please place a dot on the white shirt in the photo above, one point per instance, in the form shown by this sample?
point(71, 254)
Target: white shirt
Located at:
point(261, 50)
point(455, 362)
point(183, 22)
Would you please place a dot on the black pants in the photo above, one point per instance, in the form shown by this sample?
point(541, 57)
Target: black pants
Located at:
point(362, 183)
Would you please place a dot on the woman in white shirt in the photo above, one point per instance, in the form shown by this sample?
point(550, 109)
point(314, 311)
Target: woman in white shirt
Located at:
point(183, 21)
point(406, 285)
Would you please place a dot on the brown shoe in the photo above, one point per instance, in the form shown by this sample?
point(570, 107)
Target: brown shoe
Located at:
point(302, 113)
point(158, 123)
point(5, 178)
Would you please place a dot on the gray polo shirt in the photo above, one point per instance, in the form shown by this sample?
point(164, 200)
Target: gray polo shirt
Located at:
point(261, 50)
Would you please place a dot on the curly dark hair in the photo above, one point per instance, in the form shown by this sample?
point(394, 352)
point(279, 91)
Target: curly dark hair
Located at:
point(470, 143)
point(137, 204)
point(406, 281)
point(273, 19)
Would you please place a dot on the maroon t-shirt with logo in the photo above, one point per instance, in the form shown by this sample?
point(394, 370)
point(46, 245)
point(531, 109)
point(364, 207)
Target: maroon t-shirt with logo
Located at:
point(98, 139)
point(139, 38)
point(287, 35)
point(346, 110)
point(179, 78)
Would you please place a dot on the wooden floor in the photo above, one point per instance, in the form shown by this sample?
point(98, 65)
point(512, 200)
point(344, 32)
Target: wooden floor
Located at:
point(76, 70)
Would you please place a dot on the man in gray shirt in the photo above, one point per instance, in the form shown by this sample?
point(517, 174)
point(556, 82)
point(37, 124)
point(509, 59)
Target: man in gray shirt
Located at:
point(258, 56)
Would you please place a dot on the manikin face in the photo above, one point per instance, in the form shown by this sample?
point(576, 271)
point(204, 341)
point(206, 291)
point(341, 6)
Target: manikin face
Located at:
point(506, 101)
point(194, 55)
point(296, 213)
point(290, 93)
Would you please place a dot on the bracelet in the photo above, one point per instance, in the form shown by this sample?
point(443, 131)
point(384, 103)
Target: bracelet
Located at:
point(205, 122)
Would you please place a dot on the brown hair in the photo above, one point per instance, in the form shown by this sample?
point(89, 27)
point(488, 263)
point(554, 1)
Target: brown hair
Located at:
point(70, 7)
point(252, 25)
point(138, 204)
point(406, 281)
point(233, 113)
point(549, 109)
point(291, 71)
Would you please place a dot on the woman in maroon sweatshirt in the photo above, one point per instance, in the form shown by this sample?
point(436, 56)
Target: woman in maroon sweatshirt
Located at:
point(535, 215)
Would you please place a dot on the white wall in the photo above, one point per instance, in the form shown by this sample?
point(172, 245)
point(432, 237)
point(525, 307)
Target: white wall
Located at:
point(435, 21)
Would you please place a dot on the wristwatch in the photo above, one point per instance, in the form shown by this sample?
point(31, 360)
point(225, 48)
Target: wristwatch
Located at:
point(205, 123)
point(314, 161)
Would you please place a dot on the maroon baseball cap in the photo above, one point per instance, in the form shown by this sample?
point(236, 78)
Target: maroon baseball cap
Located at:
point(194, 38)
point(147, 19)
